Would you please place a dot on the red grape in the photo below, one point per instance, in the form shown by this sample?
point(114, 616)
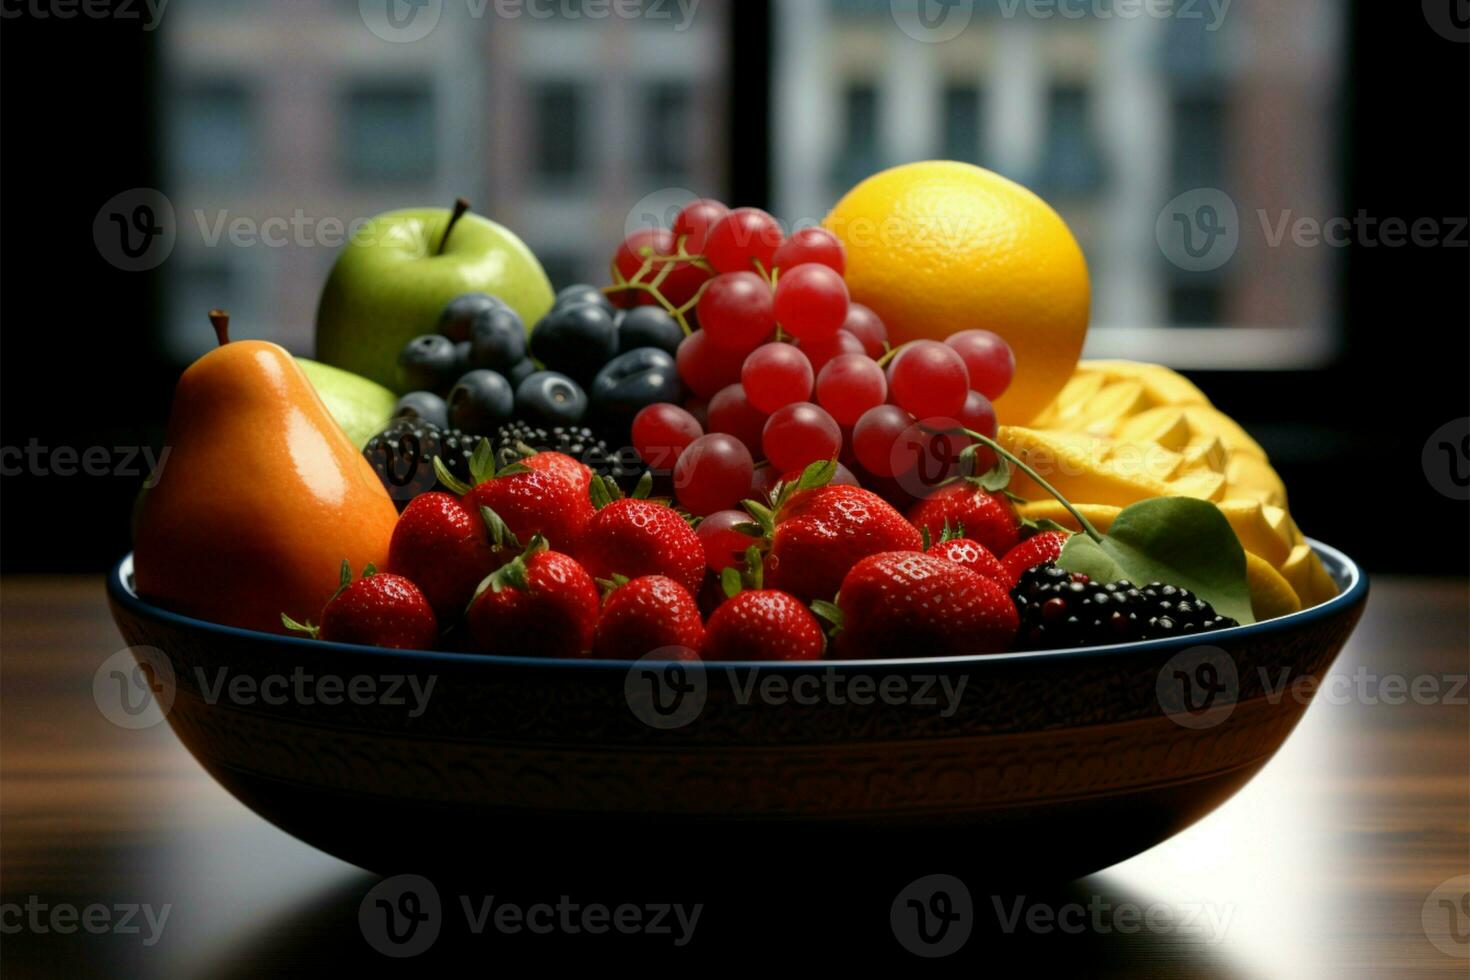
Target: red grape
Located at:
point(694, 222)
point(929, 380)
point(730, 411)
point(988, 358)
point(699, 408)
point(661, 432)
point(811, 245)
point(864, 324)
point(811, 301)
point(874, 437)
point(800, 434)
point(927, 455)
point(823, 349)
point(742, 238)
point(736, 311)
point(776, 375)
point(849, 385)
point(713, 473)
point(704, 367)
point(724, 546)
point(682, 282)
point(978, 414)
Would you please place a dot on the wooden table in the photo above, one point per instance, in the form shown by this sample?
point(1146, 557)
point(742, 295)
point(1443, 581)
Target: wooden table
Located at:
point(1323, 866)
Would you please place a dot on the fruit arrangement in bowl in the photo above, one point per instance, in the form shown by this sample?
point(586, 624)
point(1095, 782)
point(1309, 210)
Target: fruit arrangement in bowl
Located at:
point(864, 451)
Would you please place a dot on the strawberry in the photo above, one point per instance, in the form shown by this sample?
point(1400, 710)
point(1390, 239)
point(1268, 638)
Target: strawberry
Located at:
point(633, 537)
point(531, 496)
point(1036, 549)
point(646, 614)
point(379, 610)
point(441, 545)
point(562, 465)
point(819, 530)
point(907, 604)
point(982, 516)
point(763, 624)
point(540, 604)
point(974, 556)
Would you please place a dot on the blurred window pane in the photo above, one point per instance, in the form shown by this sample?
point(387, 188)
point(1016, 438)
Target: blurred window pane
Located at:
point(211, 132)
point(665, 137)
point(1198, 151)
point(559, 152)
point(961, 120)
point(1072, 164)
point(389, 132)
point(860, 154)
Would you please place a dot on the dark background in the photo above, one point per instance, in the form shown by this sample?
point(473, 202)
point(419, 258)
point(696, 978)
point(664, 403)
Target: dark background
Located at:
point(77, 368)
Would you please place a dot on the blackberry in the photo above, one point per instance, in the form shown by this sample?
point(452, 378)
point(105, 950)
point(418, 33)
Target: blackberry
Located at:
point(1059, 608)
point(578, 442)
point(403, 456)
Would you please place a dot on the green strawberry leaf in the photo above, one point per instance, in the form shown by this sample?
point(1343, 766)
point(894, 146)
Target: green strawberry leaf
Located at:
point(762, 514)
point(954, 533)
point(501, 536)
point(369, 570)
point(817, 474)
point(1180, 541)
point(730, 582)
point(995, 479)
point(450, 481)
point(644, 487)
point(749, 529)
point(829, 611)
point(482, 462)
point(601, 495)
point(295, 627)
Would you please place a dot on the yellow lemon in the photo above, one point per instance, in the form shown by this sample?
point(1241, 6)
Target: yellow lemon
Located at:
point(939, 246)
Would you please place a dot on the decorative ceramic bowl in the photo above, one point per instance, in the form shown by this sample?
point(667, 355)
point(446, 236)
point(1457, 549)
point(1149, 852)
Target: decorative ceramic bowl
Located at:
point(1044, 765)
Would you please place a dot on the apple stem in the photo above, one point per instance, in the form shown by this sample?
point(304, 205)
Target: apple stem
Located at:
point(220, 320)
point(460, 207)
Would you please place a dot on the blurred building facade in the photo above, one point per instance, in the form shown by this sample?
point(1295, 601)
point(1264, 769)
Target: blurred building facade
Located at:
point(565, 118)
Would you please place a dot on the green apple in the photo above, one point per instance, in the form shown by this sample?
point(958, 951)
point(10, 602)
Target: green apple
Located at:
point(361, 407)
point(400, 269)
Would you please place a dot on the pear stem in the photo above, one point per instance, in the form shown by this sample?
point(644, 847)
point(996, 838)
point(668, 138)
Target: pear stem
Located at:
point(460, 207)
point(220, 320)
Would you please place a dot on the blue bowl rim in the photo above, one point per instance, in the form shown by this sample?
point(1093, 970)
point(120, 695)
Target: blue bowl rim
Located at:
point(1352, 584)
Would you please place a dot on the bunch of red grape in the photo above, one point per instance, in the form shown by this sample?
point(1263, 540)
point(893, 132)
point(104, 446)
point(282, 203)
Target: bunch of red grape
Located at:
point(784, 367)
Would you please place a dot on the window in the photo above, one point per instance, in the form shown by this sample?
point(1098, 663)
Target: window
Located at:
point(198, 287)
point(665, 139)
point(1072, 164)
point(859, 155)
point(558, 141)
point(389, 133)
point(1198, 150)
point(211, 134)
point(962, 123)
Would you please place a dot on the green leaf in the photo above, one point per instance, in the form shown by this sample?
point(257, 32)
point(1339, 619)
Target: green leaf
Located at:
point(369, 570)
point(513, 469)
point(644, 487)
point(598, 491)
point(995, 479)
point(730, 581)
point(344, 575)
point(762, 515)
point(749, 529)
point(951, 533)
point(482, 462)
point(296, 627)
point(924, 536)
point(755, 568)
point(501, 536)
point(817, 474)
point(1181, 541)
point(829, 611)
point(450, 481)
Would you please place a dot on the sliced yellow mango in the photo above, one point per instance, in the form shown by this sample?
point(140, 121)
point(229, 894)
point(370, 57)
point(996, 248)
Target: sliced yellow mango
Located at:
point(1271, 594)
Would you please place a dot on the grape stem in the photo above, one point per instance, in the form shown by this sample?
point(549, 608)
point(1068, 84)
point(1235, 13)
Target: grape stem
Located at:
point(1036, 477)
point(890, 354)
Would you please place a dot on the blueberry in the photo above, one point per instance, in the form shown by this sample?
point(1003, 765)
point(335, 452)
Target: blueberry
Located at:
point(580, 294)
point(463, 357)
point(461, 311)
point(648, 326)
point(550, 399)
point(575, 340)
point(480, 402)
point(631, 381)
point(520, 371)
point(498, 339)
point(423, 405)
point(426, 363)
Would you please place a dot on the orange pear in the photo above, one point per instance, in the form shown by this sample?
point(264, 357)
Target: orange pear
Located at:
point(261, 496)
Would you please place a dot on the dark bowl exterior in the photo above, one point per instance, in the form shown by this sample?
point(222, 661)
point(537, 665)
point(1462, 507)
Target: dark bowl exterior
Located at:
point(1046, 766)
